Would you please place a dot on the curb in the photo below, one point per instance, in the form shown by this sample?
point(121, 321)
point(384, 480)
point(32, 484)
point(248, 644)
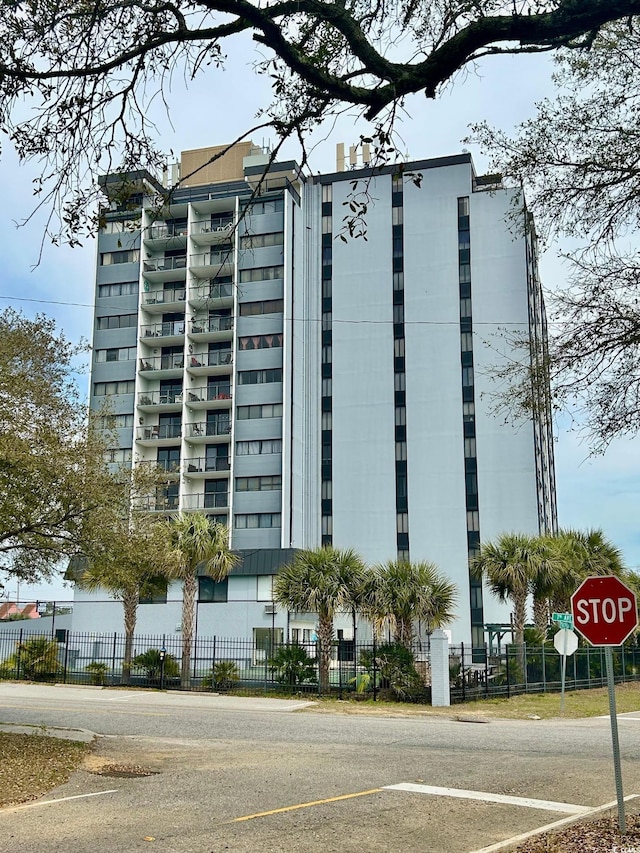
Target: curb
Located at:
point(512, 843)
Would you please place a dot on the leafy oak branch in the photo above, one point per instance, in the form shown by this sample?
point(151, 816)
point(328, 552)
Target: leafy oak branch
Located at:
point(91, 68)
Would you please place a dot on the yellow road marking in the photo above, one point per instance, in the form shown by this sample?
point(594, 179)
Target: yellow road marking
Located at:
point(307, 805)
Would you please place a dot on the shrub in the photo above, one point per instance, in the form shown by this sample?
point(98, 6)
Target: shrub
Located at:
point(151, 663)
point(292, 665)
point(395, 668)
point(224, 675)
point(35, 659)
point(98, 671)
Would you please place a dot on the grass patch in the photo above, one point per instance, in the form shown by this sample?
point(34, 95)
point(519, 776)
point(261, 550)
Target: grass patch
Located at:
point(577, 705)
point(34, 764)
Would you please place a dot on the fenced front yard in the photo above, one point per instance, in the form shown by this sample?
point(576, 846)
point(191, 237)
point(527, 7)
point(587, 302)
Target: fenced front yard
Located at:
point(364, 671)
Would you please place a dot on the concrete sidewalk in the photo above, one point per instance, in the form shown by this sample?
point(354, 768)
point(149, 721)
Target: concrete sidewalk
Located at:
point(148, 698)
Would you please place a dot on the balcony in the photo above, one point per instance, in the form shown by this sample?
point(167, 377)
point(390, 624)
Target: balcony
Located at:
point(203, 362)
point(201, 466)
point(157, 503)
point(208, 291)
point(213, 500)
point(158, 301)
point(170, 331)
point(216, 230)
point(156, 232)
point(211, 264)
point(158, 432)
point(208, 429)
point(163, 269)
point(209, 397)
point(162, 366)
point(153, 400)
point(214, 328)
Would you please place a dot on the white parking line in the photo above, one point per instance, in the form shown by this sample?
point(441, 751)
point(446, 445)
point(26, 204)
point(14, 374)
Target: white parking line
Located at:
point(486, 797)
point(53, 802)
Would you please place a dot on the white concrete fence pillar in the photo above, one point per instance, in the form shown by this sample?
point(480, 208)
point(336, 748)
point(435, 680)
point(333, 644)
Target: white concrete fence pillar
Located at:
point(440, 696)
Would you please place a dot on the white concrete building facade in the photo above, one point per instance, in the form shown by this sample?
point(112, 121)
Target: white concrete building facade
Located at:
point(304, 389)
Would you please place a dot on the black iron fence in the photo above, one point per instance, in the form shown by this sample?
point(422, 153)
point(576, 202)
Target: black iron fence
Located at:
point(360, 671)
point(535, 669)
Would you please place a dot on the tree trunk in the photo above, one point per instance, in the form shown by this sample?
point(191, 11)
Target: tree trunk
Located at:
point(189, 588)
point(519, 620)
point(403, 633)
point(541, 616)
point(325, 639)
point(130, 606)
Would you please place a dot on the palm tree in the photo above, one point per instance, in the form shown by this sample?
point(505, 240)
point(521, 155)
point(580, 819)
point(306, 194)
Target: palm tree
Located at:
point(581, 554)
point(510, 565)
point(399, 592)
point(133, 554)
point(197, 545)
point(324, 581)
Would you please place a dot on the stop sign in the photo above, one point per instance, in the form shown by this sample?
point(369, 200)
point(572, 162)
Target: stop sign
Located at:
point(604, 610)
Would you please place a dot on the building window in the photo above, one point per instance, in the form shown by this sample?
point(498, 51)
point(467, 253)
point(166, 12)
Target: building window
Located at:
point(259, 484)
point(154, 591)
point(262, 274)
point(118, 454)
point(469, 448)
point(262, 446)
point(115, 421)
point(127, 256)
point(251, 342)
point(107, 389)
point(116, 354)
point(267, 306)
point(122, 288)
point(264, 588)
point(213, 592)
point(255, 520)
point(258, 377)
point(117, 321)
point(119, 226)
point(266, 410)
point(275, 205)
point(259, 241)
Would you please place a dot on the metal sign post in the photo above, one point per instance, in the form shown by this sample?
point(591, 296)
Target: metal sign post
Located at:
point(565, 642)
point(606, 613)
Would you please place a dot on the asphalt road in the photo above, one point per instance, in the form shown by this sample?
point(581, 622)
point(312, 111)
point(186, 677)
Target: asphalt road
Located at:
point(227, 772)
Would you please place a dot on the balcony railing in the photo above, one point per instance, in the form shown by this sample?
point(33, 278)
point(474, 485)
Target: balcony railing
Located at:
point(157, 503)
point(210, 359)
point(162, 297)
point(221, 391)
point(159, 398)
point(161, 330)
point(210, 290)
point(202, 464)
point(219, 223)
point(164, 264)
point(211, 324)
point(162, 362)
point(158, 431)
point(212, 259)
point(208, 428)
point(207, 501)
point(156, 231)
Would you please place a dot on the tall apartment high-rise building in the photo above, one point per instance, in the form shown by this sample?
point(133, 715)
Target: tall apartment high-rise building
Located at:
point(305, 389)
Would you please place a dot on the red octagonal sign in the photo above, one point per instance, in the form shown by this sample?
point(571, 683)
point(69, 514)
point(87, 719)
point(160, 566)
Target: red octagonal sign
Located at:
point(604, 610)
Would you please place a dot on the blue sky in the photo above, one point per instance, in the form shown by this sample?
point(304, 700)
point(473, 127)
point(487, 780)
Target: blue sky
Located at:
point(592, 492)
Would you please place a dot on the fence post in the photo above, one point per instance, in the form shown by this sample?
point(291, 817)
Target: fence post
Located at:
point(623, 666)
point(375, 669)
point(462, 678)
point(66, 659)
point(113, 658)
point(18, 656)
point(440, 686)
point(486, 670)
